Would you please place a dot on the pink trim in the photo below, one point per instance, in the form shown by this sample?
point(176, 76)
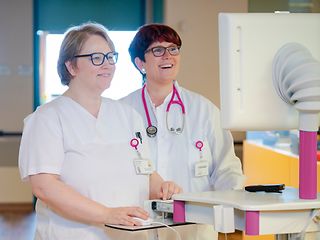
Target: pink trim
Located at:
point(252, 222)
point(134, 143)
point(179, 211)
point(179, 101)
point(308, 165)
point(145, 106)
point(199, 145)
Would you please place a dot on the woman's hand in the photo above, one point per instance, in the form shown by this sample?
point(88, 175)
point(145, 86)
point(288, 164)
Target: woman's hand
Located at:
point(168, 188)
point(70, 204)
point(124, 215)
point(160, 189)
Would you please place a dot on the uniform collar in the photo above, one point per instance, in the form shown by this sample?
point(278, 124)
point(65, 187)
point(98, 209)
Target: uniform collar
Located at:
point(167, 98)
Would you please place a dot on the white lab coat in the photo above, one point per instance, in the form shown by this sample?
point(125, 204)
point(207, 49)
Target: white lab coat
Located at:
point(92, 155)
point(175, 156)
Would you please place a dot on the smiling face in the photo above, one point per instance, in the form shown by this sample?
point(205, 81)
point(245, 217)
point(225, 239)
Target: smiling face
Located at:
point(87, 76)
point(161, 70)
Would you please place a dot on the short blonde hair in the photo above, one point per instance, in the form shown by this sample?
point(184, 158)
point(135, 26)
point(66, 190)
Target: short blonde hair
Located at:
point(73, 41)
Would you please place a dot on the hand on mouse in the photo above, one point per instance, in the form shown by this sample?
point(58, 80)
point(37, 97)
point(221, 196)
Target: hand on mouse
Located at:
point(124, 215)
point(142, 222)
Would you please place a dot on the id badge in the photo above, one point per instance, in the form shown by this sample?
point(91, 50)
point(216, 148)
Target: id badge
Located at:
point(143, 166)
point(201, 168)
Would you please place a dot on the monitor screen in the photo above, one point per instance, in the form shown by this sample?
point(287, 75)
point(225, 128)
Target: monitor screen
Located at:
point(248, 43)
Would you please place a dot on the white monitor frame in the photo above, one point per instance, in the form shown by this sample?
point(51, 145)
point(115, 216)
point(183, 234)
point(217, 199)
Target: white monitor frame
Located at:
point(247, 44)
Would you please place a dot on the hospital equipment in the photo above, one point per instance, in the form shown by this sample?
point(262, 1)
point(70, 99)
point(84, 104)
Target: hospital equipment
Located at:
point(143, 222)
point(160, 212)
point(250, 45)
point(254, 213)
point(151, 129)
point(257, 74)
point(277, 188)
point(180, 103)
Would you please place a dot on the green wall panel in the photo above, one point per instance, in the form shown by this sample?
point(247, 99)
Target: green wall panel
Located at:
point(57, 15)
point(158, 11)
point(267, 5)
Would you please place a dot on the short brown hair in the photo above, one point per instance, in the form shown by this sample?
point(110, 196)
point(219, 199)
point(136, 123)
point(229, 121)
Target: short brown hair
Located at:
point(73, 41)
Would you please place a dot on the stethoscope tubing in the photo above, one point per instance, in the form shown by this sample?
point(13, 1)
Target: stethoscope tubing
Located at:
point(145, 106)
point(172, 101)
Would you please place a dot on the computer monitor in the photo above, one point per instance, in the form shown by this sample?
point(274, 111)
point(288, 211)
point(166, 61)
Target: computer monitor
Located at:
point(248, 43)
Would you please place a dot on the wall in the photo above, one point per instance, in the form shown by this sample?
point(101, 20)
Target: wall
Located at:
point(114, 14)
point(16, 92)
point(12, 190)
point(268, 6)
point(16, 79)
point(197, 24)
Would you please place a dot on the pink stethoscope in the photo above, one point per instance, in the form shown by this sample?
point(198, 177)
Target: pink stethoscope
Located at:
point(152, 130)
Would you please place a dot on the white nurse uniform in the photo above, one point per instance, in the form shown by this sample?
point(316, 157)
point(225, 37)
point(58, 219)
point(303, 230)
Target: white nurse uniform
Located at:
point(92, 155)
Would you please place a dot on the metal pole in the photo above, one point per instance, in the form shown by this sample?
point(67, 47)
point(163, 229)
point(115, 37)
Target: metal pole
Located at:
point(282, 237)
point(149, 11)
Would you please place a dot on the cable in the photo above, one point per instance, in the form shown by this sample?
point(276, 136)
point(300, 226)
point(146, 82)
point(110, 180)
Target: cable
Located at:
point(301, 235)
point(225, 236)
point(163, 224)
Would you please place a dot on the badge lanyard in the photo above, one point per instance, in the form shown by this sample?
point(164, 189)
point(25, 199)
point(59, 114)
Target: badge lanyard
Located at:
point(141, 165)
point(134, 143)
point(151, 129)
point(201, 166)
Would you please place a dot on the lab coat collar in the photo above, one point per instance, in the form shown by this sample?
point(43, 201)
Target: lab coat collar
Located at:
point(176, 84)
point(167, 98)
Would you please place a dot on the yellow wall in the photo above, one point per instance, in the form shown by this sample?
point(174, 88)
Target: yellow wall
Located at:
point(266, 165)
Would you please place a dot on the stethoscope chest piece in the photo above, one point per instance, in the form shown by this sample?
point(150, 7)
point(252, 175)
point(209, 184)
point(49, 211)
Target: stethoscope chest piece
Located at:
point(178, 130)
point(151, 131)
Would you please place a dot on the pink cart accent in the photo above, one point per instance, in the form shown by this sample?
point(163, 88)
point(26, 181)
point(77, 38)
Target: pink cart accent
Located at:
point(179, 211)
point(252, 222)
point(308, 165)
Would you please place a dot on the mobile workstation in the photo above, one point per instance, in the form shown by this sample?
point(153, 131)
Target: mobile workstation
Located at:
point(269, 80)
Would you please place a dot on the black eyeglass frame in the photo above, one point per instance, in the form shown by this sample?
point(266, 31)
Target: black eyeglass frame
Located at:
point(106, 56)
point(165, 49)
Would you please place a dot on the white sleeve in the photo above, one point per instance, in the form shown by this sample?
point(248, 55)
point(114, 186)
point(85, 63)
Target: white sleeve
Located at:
point(227, 170)
point(41, 148)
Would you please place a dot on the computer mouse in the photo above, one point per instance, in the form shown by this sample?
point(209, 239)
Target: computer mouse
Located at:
point(143, 222)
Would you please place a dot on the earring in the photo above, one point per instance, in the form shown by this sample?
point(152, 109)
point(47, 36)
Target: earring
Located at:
point(143, 70)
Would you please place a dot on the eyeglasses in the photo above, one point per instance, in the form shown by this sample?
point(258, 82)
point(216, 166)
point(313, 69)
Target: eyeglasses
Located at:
point(160, 51)
point(97, 59)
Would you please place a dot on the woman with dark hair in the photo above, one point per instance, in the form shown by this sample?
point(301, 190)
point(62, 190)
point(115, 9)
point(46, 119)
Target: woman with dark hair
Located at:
point(186, 140)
